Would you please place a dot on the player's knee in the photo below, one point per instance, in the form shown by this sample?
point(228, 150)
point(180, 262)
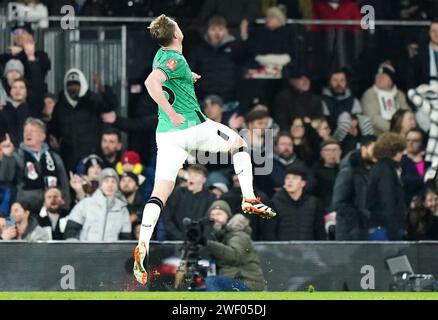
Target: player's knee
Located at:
point(240, 143)
point(239, 146)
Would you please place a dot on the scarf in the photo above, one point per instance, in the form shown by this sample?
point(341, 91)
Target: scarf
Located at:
point(40, 172)
point(388, 104)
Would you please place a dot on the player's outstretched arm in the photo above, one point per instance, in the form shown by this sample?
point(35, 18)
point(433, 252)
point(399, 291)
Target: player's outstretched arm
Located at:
point(154, 88)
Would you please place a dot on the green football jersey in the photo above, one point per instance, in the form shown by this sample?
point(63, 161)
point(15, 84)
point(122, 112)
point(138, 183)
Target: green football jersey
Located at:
point(178, 89)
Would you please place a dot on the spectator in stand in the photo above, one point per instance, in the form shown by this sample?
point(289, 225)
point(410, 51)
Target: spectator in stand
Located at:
point(425, 97)
point(130, 162)
point(306, 140)
point(218, 189)
point(30, 92)
point(297, 100)
point(284, 157)
point(426, 62)
point(33, 167)
point(300, 215)
point(423, 217)
point(7, 232)
point(86, 183)
point(140, 125)
point(233, 11)
point(13, 70)
point(323, 128)
point(24, 49)
point(325, 171)
point(256, 123)
point(76, 120)
point(270, 48)
point(34, 11)
point(110, 147)
point(343, 111)
point(101, 217)
point(336, 10)
point(53, 215)
point(26, 224)
point(16, 111)
point(192, 201)
point(337, 99)
point(129, 187)
point(258, 135)
point(217, 60)
point(214, 109)
point(49, 106)
point(413, 165)
point(350, 192)
point(383, 99)
point(272, 125)
point(350, 131)
point(385, 198)
point(402, 122)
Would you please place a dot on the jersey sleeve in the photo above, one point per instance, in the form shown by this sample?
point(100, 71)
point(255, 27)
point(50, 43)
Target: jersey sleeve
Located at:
point(172, 67)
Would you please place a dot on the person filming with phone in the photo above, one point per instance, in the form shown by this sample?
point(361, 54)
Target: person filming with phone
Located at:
point(8, 231)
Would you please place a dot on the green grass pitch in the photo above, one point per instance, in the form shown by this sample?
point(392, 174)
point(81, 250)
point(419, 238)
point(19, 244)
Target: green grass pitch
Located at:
point(218, 296)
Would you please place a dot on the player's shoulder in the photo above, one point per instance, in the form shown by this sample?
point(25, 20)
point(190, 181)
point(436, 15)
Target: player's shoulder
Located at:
point(170, 61)
point(165, 55)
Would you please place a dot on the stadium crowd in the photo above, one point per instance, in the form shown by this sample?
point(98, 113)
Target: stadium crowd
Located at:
point(347, 157)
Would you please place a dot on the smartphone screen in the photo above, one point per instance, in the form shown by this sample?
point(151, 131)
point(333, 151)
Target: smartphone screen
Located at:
point(10, 222)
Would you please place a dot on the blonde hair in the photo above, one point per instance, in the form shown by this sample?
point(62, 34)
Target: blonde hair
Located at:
point(162, 30)
point(36, 122)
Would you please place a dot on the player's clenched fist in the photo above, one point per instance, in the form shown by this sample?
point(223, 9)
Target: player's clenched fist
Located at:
point(195, 77)
point(177, 119)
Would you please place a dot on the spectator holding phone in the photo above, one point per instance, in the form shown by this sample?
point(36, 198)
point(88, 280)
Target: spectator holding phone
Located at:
point(26, 224)
point(7, 230)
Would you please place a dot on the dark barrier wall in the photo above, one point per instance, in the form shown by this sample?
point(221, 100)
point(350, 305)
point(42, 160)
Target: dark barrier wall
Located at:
point(329, 266)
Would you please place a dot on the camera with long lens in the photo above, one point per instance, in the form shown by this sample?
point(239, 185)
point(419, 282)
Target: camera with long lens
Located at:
point(194, 231)
point(190, 272)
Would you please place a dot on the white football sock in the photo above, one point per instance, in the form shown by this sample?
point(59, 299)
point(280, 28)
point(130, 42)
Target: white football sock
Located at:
point(151, 213)
point(243, 168)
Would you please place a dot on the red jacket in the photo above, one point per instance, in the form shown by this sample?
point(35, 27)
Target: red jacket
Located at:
point(347, 10)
